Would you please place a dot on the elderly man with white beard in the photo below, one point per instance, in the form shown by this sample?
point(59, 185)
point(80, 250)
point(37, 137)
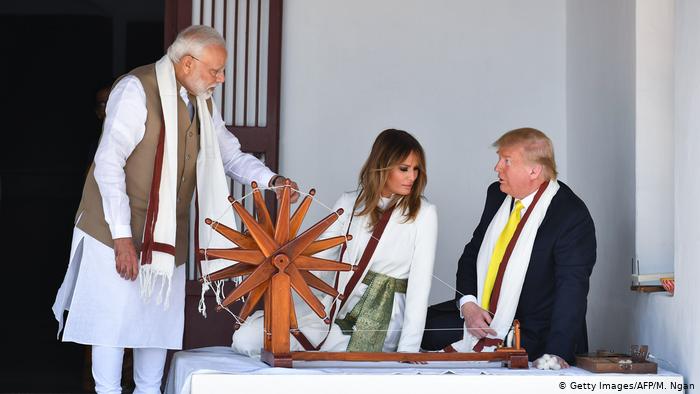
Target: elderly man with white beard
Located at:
point(162, 143)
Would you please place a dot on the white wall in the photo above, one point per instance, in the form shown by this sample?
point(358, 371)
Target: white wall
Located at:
point(457, 74)
point(670, 324)
point(654, 135)
point(601, 125)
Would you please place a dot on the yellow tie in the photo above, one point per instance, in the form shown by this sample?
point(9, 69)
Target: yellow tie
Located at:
point(498, 251)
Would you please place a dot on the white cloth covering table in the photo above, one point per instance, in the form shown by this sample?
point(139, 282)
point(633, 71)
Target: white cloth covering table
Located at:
point(220, 370)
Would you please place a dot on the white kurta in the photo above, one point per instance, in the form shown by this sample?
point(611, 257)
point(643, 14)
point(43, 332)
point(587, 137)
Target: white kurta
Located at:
point(405, 251)
point(104, 308)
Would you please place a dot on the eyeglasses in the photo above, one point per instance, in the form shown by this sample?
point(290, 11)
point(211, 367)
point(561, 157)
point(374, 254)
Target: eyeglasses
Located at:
point(214, 72)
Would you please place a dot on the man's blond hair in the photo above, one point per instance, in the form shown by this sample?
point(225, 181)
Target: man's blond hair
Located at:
point(537, 148)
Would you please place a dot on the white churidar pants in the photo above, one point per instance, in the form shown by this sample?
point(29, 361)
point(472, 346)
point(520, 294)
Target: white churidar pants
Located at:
point(107, 369)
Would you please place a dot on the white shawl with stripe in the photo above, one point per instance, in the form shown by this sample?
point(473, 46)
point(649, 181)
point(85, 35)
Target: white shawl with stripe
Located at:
point(212, 189)
point(516, 269)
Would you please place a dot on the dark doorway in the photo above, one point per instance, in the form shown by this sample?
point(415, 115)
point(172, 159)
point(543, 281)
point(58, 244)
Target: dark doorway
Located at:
point(52, 66)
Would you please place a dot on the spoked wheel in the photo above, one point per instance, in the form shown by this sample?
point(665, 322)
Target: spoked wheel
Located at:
point(276, 260)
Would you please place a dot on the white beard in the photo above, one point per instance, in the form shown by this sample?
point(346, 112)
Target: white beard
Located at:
point(206, 95)
point(201, 90)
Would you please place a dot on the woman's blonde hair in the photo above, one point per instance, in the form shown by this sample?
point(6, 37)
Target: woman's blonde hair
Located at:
point(389, 149)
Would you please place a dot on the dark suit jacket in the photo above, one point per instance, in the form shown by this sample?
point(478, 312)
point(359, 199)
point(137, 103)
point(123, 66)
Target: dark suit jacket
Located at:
point(552, 306)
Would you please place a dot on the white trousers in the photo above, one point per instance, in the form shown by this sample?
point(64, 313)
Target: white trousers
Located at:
point(107, 369)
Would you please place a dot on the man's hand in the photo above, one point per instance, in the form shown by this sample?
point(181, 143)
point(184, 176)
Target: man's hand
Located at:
point(550, 361)
point(125, 256)
point(279, 181)
point(477, 320)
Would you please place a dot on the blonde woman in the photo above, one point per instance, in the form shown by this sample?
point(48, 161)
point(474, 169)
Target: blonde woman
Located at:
point(385, 304)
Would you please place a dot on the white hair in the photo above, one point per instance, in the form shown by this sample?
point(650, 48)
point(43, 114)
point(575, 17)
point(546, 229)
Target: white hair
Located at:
point(193, 40)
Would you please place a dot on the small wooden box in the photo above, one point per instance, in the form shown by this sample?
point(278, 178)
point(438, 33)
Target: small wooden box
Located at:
point(611, 363)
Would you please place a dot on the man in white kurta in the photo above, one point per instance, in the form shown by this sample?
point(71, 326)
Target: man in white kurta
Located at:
point(106, 309)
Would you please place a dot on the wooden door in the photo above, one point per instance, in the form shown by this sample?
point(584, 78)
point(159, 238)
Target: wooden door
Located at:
point(249, 101)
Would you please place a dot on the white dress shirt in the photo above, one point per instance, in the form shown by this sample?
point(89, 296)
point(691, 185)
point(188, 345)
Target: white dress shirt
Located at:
point(124, 128)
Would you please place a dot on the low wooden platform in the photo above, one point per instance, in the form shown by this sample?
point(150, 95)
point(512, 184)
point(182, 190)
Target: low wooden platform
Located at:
point(513, 359)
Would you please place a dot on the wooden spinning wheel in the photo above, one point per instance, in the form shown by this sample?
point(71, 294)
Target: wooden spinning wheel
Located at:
point(277, 260)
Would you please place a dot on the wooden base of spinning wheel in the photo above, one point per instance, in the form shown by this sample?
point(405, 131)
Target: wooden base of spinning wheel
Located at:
point(517, 361)
point(511, 358)
point(276, 360)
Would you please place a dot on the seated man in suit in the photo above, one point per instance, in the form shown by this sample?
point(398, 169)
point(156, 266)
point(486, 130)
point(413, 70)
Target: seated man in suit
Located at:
point(530, 258)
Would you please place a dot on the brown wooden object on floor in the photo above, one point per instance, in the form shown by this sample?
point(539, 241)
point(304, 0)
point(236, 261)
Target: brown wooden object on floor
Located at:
point(276, 261)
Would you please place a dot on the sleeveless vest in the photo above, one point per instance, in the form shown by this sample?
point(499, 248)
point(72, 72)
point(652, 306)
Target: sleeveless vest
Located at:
point(139, 173)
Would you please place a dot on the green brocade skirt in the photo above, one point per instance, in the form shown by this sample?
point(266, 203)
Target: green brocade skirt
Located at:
point(368, 321)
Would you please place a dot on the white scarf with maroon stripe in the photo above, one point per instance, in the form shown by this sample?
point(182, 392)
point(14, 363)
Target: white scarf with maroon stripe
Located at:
point(212, 189)
point(516, 269)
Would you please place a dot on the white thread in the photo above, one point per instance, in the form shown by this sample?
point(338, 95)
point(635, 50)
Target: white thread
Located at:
point(218, 293)
point(445, 283)
point(202, 307)
point(335, 299)
point(235, 317)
